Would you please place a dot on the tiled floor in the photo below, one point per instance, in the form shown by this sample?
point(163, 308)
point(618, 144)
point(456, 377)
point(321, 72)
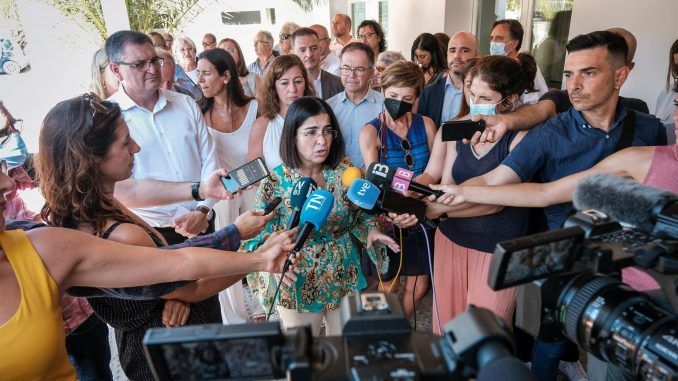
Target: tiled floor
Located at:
point(423, 313)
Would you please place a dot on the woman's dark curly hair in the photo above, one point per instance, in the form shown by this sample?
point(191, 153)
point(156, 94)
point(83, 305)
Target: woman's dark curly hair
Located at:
point(74, 137)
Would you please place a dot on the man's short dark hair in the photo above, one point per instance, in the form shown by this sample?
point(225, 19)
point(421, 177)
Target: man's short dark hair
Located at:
point(515, 30)
point(299, 111)
point(301, 32)
point(353, 46)
point(615, 44)
point(115, 44)
point(211, 36)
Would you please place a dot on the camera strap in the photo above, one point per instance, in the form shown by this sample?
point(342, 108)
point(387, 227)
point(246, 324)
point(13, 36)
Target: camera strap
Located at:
point(628, 130)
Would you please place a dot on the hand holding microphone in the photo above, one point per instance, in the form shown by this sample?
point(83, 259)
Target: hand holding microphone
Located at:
point(399, 179)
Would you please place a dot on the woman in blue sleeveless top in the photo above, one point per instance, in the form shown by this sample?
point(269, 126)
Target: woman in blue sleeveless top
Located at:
point(400, 138)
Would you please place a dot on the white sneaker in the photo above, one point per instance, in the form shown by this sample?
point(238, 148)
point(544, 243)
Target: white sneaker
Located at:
point(573, 371)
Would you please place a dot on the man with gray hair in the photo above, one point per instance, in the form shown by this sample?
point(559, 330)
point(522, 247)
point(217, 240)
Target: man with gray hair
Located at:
point(169, 127)
point(305, 46)
point(263, 48)
point(329, 61)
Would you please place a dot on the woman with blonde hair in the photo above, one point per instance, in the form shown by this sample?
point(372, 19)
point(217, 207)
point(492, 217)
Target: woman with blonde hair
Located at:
point(285, 81)
point(103, 82)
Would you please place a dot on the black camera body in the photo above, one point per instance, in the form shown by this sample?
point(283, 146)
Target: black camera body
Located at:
point(377, 343)
point(569, 286)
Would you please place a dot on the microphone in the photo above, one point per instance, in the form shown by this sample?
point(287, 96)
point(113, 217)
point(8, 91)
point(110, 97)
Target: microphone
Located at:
point(300, 191)
point(398, 179)
point(369, 197)
point(314, 214)
point(350, 175)
point(364, 194)
point(649, 209)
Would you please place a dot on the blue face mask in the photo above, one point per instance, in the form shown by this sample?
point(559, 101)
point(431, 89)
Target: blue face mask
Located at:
point(13, 150)
point(484, 108)
point(497, 49)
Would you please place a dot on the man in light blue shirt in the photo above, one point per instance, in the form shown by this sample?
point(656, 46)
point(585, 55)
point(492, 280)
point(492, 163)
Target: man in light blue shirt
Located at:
point(358, 103)
point(441, 100)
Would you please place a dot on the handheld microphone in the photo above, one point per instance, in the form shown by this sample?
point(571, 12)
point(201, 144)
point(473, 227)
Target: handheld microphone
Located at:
point(649, 209)
point(398, 179)
point(350, 175)
point(363, 194)
point(300, 191)
point(314, 214)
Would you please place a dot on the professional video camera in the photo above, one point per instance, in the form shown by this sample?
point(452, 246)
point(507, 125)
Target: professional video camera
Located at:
point(570, 277)
point(377, 343)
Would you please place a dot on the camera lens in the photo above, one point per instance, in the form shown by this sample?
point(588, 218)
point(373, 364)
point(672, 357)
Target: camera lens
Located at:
point(619, 325)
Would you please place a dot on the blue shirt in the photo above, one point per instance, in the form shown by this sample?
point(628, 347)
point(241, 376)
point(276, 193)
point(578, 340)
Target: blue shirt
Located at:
point(567, 144)
point(451, 101)
point(352, 117)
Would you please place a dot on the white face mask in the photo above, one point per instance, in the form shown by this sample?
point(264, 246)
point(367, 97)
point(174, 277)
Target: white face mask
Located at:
point(497, 49)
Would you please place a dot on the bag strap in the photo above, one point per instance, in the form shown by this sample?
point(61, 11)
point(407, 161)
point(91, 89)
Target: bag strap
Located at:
point(628, 130)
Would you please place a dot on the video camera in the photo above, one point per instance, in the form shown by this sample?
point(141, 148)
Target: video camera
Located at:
point(377, 343)
point(570, 278)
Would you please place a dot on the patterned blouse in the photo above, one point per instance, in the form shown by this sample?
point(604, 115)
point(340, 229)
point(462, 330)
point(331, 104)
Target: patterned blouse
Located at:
point(328, 265)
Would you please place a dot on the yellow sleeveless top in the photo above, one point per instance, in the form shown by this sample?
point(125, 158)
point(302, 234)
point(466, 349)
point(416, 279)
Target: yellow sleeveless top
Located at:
point(32, 342)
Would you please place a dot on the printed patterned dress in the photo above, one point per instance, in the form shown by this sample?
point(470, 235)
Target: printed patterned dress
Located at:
point(328, 266)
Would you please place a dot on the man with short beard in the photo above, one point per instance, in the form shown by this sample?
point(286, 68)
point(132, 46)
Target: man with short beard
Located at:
point(441, 100)
point(341, 30)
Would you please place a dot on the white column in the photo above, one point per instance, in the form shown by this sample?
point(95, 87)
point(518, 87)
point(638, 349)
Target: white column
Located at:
point(115, 15)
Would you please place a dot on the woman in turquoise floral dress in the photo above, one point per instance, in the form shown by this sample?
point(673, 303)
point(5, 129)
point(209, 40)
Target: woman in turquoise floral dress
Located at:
point(328, 266)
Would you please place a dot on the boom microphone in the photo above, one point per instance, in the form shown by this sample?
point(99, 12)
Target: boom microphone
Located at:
point(398, 179)
point(649, 209)
point(300, 191)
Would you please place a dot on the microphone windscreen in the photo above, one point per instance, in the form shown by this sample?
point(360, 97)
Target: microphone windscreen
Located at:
point(505, 369)
point(317, 208)
point(350, 175)
point(623, 200)
point(378, 173)
point(300, 191)
point(363, 194)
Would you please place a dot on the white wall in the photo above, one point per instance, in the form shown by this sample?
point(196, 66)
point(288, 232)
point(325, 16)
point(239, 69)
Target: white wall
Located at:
point(408, 19)
point(653, 22)
point(285, 10)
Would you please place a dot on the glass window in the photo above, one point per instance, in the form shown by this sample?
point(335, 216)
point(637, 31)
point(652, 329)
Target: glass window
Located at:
point(241, 18)
point(550, 28)
point(383, 16)
point(357, 15)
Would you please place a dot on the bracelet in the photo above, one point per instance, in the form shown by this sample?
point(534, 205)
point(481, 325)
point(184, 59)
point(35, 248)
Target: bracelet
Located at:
point(195, 191)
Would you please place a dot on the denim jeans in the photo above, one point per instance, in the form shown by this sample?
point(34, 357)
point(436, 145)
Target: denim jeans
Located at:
point(546, 358)
point(89, 351)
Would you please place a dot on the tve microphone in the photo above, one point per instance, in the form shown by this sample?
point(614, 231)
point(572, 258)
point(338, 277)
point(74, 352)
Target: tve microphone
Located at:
point(314, 214)
point(381, 174)
point(300, 191)
point(350, 175)
point(363, 194)
point(649, 209)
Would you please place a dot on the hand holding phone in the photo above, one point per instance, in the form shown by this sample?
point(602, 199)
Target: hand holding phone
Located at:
point(461, 129)
point(246, 175)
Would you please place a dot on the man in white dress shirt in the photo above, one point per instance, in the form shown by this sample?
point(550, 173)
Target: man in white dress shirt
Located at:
point(329, 60)
point(169, 128)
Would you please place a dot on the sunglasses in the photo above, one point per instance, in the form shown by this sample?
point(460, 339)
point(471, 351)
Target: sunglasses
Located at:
point(99, 106)
point(285, 36)
point(406, 146)
point(208, 43)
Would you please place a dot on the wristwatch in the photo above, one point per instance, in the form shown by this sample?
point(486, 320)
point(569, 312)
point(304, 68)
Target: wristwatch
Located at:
point(204, 209)
point(195, 191)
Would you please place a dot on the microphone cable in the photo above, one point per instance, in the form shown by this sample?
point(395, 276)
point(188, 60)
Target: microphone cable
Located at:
point(277, 289)
point(433, 283)
point(400, 266)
